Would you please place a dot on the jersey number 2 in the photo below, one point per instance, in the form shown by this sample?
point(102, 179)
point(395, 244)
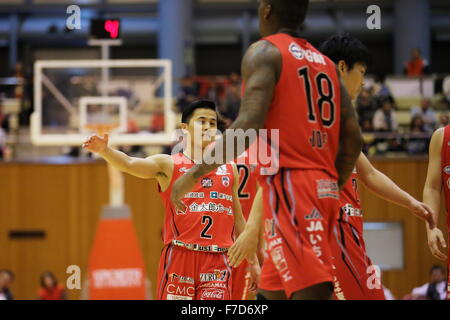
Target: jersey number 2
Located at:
point(209, 221)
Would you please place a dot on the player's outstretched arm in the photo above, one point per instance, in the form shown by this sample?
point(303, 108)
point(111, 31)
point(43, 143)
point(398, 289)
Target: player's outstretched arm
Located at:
point(432, 192)
point(350, 140)
point(246, 245)
point(148, 168)
point(385, 188)
point(260, 70)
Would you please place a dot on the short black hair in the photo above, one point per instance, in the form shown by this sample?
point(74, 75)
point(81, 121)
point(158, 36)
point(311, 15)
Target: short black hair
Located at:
point(292, 13)
point(437, 267)
point(199, 104)
point(346, 48)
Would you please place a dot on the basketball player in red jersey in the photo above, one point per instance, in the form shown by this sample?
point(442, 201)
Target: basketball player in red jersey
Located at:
point(354, 269)
point(438, 178)
point(193, 263)
point(291, 87)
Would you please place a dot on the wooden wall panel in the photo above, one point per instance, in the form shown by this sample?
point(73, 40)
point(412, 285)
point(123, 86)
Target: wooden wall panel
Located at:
point(66, 200)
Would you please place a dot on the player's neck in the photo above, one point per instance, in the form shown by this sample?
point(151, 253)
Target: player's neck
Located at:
point(289, 31)
point(194, 153)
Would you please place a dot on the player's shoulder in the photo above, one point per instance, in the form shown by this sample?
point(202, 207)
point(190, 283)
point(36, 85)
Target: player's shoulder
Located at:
point(262, 51)
point(439, 133)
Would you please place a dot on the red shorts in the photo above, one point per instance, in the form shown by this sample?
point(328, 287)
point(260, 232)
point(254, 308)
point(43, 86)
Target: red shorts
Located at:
point(356, 277)
point(448, 271)
point(191, 275)
point(241, 282)
point(300, 208)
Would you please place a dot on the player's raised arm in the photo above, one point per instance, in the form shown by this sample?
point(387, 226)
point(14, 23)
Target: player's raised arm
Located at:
point(350, 140)
point(260, 70)
point(148, 168)
point(432, 192)
point(385, 188)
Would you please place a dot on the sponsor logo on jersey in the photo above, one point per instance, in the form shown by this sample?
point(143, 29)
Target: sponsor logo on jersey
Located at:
point(352, 211)
point(222, 170)
point(217, 275)
point(173, 277)
point(209, 207)
point(447, 169)
point(274, 243)
point(300, 54)
point(315, 214)
point(176, 297)
point(218, 195)
point(213, 285)
point(327, 189)
point(195, 195)
point(280, 263)
point(183, 169)
point(180, 290)
point(226, 181)
point(448, 183)
point(207, 182)
point(213, 294)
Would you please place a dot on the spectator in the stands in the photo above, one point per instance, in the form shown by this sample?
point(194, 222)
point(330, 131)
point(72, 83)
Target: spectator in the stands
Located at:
point(188, 93)
point(427, 114)
point(380, 89)
point(232, 100)
point(365, 106)
point(436, 289)
point(6, 280)
point(214, 91)
point(416, 66)
point(50, 288)
point(418, 140)
point(384, 118)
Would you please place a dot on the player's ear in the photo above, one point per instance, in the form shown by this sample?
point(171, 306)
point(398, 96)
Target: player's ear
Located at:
point(184, 127)
point(342, 67)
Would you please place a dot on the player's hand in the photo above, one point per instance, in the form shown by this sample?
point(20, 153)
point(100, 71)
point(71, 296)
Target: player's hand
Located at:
point(435, 237)
point(424, 212)
point(255, 273)
point(244, 247)
point(180, 188)
point(96, 143)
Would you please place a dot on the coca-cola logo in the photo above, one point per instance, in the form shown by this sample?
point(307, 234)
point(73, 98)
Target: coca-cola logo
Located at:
point(215, 294)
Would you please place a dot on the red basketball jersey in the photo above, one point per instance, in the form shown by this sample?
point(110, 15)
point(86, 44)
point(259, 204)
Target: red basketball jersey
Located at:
point(209, 217)
point(249, 171)
point(445, 162)
point(305, 106)
point(350, 203)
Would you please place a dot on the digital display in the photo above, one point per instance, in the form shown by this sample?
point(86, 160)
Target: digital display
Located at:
point(105, 28)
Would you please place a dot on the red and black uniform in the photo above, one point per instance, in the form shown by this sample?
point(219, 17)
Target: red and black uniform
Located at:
point(302, 199)
point(355, 274)
point(194, 264)
point(445, 161)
